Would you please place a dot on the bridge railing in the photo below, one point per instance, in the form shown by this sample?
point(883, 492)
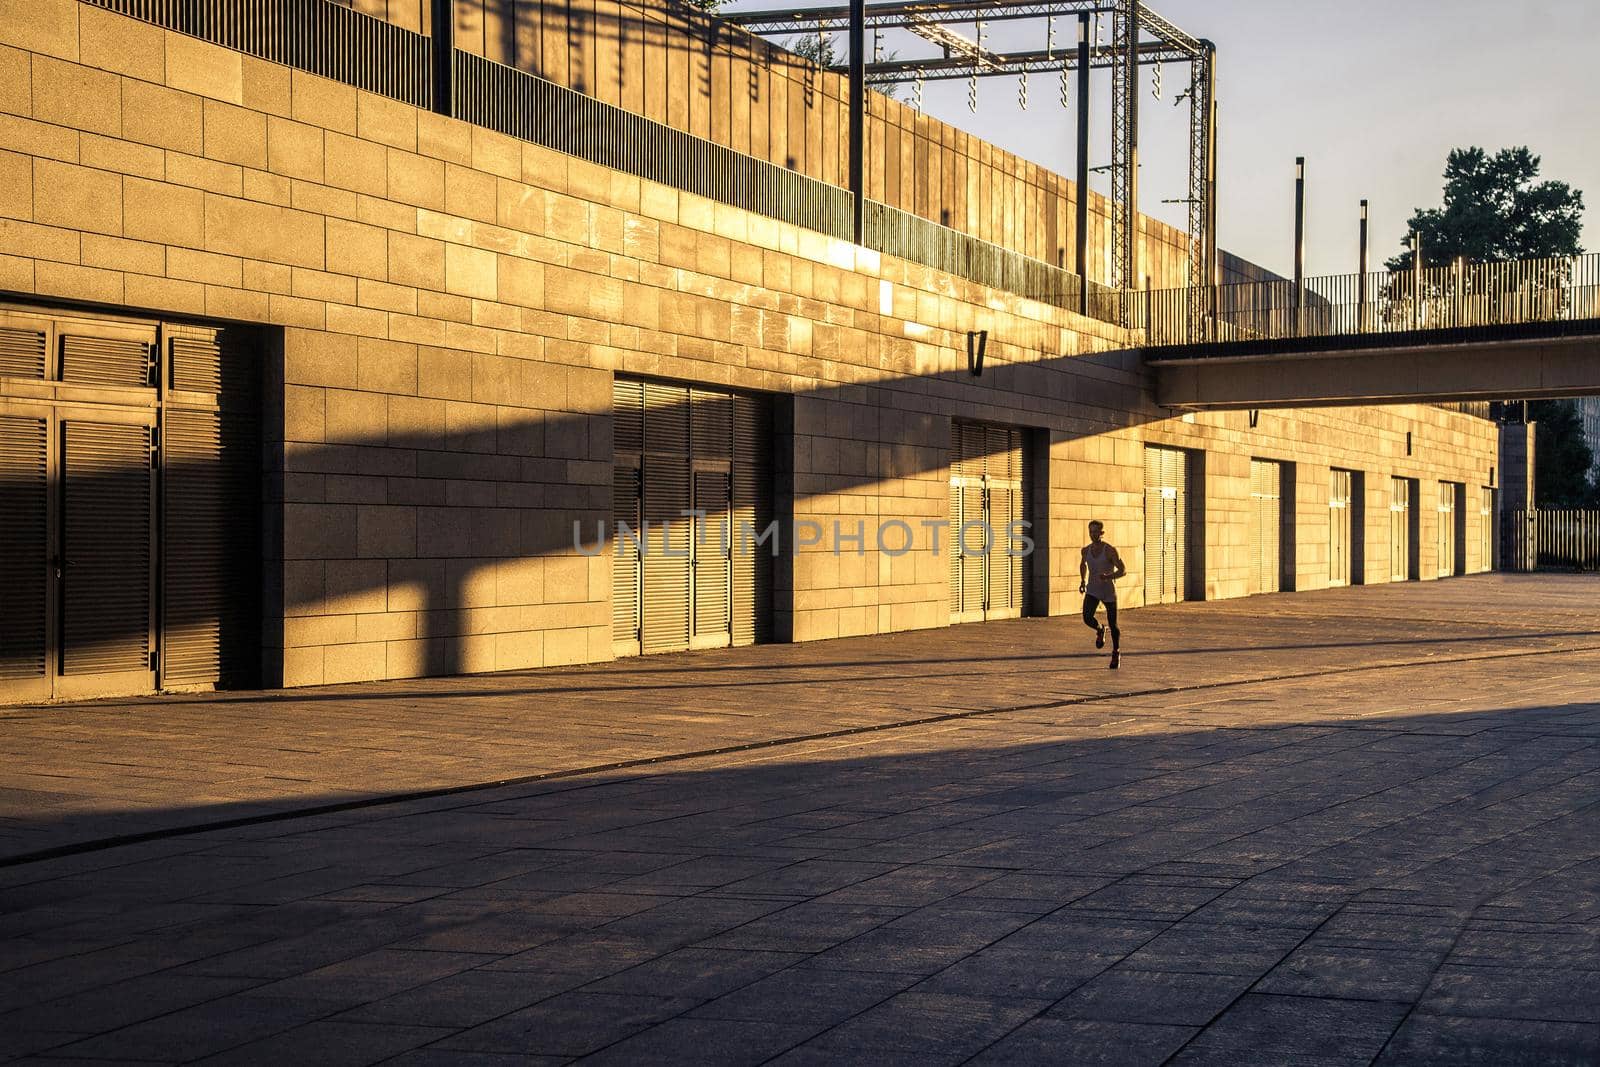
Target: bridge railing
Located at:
point(1459, 296)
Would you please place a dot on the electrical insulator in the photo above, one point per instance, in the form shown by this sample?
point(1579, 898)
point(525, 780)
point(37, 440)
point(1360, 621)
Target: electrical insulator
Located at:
point(1022, 91)
point(1066, 96)
point(1155, 85)
point(916, 91)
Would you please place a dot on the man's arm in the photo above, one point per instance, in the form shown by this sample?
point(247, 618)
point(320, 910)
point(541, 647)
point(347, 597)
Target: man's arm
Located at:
point(1083, 573)
point(1117, 569)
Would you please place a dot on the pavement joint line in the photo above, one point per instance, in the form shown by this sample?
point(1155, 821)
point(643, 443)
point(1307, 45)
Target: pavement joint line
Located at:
point(117, 841)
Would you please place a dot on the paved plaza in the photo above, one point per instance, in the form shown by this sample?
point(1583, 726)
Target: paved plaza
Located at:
point(1345, 827)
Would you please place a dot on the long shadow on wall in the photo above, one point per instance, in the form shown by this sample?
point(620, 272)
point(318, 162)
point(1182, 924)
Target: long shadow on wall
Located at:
point(457, 519)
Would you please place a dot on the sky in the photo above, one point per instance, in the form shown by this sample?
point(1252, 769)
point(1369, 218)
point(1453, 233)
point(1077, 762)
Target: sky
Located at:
point(1373, 94)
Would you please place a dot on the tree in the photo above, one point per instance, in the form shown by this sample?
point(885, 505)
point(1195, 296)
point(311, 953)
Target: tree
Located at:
point(1562, 459)
point(820, 49)
point(711, 6)
point(1493, 210)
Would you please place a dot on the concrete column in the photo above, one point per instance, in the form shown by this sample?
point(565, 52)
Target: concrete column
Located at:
point(1516, 465)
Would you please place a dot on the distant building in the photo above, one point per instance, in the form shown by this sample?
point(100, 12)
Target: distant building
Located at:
point(1589, 412)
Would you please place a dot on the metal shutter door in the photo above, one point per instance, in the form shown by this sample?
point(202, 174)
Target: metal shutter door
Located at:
point(665, 494)
point(1018, 512)
point(1166, 526)
point(23, 349)
point(625, 558)
point(712, 573)
point(1400, 530)
point(954, 547)
point(1257, 548)
point(106, 356)
point(1272, 530)
point(1486, 529)
point(1154, 528)
point(106, 542)
point(1338, 527)
point(1003, 504)
point(972, 511)
point(211, 464)
point(1447, 530)
point(627, 408)
point(752, 510)
point(198, 565)
point(24, 549)
point(1177, 467)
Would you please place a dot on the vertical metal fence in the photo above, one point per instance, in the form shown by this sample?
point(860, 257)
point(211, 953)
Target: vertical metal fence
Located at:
point(1550, 539)
point(1460, 296)
point(311, 35)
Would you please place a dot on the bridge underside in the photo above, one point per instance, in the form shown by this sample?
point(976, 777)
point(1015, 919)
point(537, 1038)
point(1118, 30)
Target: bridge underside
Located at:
point(1489, 370)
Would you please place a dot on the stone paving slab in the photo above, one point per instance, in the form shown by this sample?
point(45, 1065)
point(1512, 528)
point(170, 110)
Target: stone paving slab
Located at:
point(84, 772)
point(1391, 859)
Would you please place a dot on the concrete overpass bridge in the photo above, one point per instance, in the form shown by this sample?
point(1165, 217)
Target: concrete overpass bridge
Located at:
point(1494, 331)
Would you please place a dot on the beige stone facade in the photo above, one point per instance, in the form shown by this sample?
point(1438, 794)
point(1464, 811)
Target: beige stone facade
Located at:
point(451, 306)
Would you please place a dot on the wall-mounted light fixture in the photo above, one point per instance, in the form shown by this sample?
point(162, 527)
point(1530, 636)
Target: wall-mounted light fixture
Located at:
point(1255, 417)
point(977, 344)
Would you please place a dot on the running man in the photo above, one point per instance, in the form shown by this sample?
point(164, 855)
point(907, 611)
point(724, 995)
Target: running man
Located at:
point(1098, 571)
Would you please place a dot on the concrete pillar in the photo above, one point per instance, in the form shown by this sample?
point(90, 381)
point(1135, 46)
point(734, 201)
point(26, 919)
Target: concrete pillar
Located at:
point(1518, 547)
point(1516, 465)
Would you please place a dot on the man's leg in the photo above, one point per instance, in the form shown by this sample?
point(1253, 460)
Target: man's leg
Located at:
point(1111, 620)
point(1090, 605)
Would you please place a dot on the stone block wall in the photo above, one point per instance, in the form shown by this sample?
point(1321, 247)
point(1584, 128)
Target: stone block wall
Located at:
point(453, 304)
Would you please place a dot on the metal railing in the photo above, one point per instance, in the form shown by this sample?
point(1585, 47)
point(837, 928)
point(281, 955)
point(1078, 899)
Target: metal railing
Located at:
point(912, 237)
point(311, 35)
point(1559, 539)
point(335, 42)
point(530, 108)
point(1463, 296)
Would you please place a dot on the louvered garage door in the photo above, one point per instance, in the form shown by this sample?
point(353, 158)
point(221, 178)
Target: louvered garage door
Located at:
point(1166, 504)
point(987, 495)
point(106, 592)
point(1446, 530)
point(1399, 529)
point(105, 540)
point(1266, 526)
point(211, 465)
point(1340, 526)
point(690, 581)
point(1486, 528)
point(24, 554)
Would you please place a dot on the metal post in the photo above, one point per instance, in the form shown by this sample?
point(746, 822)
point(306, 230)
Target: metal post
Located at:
point(1416, 281)
point(858, 124)
point(1299, 243)
point(1081, 236)
point(1361, 278)
point(1213, 268)
point(444, 53)
point(1135, 266)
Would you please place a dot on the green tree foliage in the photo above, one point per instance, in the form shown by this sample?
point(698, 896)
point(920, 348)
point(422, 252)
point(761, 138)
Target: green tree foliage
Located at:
point(817, 47)
point(1561, 457)
point(820, 49)
point(706, 5)
point(1493, 210)
point(1496, 209)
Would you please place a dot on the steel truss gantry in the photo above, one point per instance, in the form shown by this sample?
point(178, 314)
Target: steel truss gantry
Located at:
point(1140, 37)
